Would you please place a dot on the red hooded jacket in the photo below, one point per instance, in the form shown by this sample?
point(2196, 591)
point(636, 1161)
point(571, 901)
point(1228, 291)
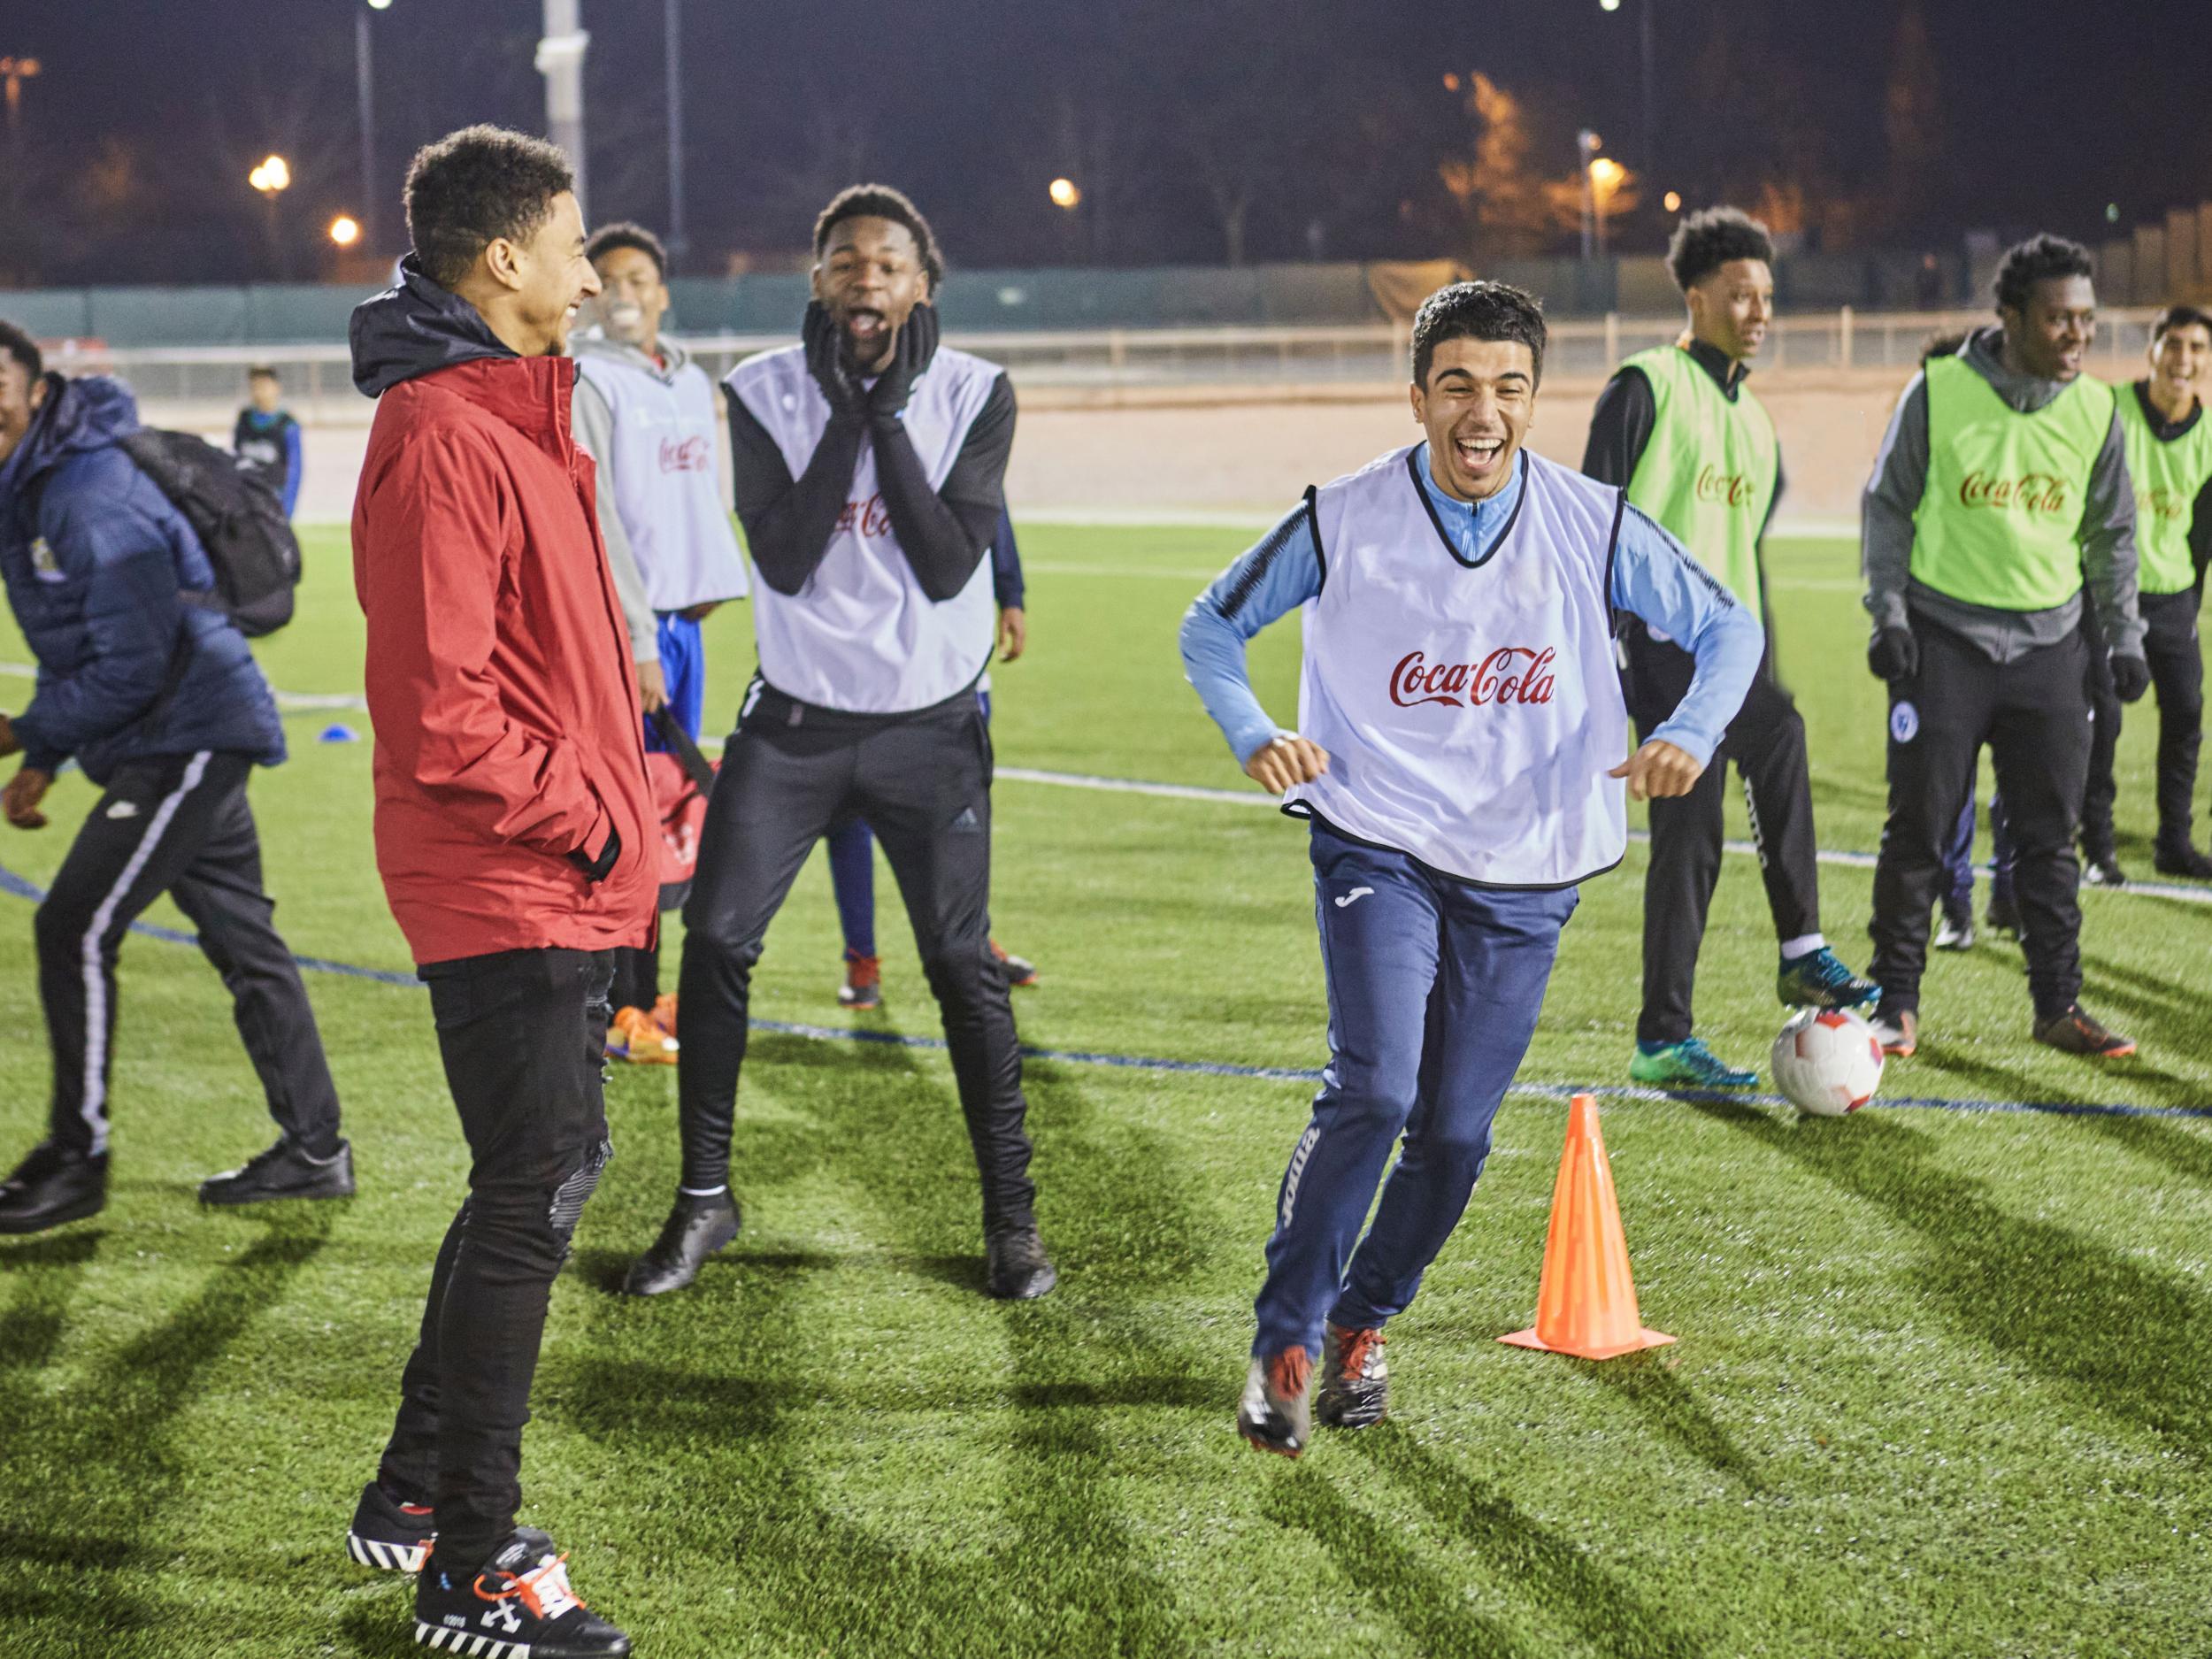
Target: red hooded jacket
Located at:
point(498, 676)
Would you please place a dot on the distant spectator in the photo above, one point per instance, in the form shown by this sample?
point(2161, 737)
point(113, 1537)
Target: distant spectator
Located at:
point(268, 436)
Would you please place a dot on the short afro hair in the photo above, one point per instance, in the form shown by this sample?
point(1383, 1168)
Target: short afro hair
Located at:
point(475, 187)
point(624, 233)
point(880, 200)
point(2180, 317)
point(2038, 259)
point(22, 348)
point(1478, 311)
point(1709, 239)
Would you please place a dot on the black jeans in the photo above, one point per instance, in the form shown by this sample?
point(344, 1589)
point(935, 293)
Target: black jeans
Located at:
point(2177, 664)
point(2100, 791)
point(1766, 741)
point(180, 825)
point(2033, 714)
point(523, 1033)
point(923, 783)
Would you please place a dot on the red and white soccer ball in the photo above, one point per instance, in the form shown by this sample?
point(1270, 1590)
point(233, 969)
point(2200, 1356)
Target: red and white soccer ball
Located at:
point(1827, 1061)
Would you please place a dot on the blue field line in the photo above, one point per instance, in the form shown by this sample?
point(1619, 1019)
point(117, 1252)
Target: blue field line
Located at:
point(19, 887)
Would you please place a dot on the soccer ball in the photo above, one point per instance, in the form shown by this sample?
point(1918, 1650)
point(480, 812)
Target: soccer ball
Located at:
point(1828, 1061)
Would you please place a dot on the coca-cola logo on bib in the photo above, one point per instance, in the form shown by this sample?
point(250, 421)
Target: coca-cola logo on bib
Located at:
point(2160, 502)
point(2031, 492)
point(1511, 674)
point(686, 455)
point(869, 518)
point(1725, 489)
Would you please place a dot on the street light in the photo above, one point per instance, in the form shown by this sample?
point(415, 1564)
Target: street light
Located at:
point(270, 176)
point(345, 230)
point(1674, 201)
point(365, 103)
point(15, 72)
point(1064, 193)
point(1651, 102)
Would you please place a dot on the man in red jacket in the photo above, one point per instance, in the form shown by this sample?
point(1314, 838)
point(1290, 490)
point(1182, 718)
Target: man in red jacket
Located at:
point(514, 831)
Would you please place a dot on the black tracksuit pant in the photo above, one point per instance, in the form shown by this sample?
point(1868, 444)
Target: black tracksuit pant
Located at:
point(181, 826)
point(1766, 741)
point(523, 1034)
point(2176, 664)
point(923, 783)
point(2033, 714)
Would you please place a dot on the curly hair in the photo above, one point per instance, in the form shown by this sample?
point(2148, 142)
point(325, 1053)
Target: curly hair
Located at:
point(475, 187)
point(627, 234)
point(1708, 239)
point(2038, 259)
point(1478, 310)
point(880, 200)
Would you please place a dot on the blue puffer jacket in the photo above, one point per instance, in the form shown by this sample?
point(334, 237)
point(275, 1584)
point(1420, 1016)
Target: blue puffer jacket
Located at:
point(93, 558)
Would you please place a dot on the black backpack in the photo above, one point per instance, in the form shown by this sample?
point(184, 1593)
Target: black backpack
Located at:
point(236, 511)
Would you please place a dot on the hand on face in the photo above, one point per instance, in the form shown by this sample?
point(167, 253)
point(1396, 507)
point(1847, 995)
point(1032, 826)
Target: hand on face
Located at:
point(869, 278)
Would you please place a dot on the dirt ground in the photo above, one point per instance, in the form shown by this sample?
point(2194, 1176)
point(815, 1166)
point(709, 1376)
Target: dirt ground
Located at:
point(1224, 453)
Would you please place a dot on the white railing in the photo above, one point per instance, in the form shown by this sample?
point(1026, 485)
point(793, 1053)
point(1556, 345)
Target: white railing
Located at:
point(206, 380)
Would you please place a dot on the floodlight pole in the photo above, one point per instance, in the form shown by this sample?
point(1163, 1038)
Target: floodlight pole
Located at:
point(561, 61)
point(1651, 99)
point(679, 242)
point(363, 82)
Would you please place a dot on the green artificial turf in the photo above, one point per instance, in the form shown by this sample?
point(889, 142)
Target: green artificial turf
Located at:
point(1943, 1387)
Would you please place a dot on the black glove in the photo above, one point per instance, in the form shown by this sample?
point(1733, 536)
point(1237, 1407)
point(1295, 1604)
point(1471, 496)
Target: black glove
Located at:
point(598, 869)
point(2130, 677)
point(1893, 655)
point(910, 354)
point(825, 361)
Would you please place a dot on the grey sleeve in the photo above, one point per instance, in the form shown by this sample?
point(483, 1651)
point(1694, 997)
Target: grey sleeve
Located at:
point(1887, 510)
point(2108, 546)
point(592, 418)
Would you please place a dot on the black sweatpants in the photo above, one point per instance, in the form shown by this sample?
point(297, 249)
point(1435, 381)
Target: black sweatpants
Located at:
point(2034, 716)
point(2100, 791)
point(1766, 741)
point(180, 825)
point(923, 783)
point(523, 1034)
point(2177, 664)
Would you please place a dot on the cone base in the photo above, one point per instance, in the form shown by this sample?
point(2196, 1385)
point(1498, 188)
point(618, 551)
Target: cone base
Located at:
point(1613, 1350)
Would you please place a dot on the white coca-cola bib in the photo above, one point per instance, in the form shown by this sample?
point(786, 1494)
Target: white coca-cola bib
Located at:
point(862, 635)
point(1470, 712)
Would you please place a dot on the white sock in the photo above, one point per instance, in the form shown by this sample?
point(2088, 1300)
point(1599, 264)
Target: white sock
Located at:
point(1804, 945)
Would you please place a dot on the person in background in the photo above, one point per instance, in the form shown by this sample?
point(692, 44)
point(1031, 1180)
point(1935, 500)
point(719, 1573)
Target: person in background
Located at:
point(163, 706)
point(268, 436)
point(646, 412)
point(852, 848)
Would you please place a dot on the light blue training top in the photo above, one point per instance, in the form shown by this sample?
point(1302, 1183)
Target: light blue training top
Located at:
point(1654, 577)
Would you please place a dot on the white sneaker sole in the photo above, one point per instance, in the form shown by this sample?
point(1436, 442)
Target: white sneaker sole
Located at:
point(462, 1642)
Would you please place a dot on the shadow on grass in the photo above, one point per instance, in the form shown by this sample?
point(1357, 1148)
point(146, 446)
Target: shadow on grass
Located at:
point(1644, 1381)
point(2136, 1344)
point(92, 1463)
point(2188, 1155)
point(1562, 1577)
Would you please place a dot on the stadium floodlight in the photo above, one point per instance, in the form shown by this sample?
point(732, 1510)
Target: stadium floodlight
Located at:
point(345, 230)
point(1065, 193)
point(380, 5)
point(272, 175)
point(1674, 201)
point(13, 73)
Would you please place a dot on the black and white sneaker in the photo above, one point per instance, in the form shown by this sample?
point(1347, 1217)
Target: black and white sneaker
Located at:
point(1274, 1416)
point(283, 1171)
point(1355, 1392)
point(519, 1607)
point(390, 1535)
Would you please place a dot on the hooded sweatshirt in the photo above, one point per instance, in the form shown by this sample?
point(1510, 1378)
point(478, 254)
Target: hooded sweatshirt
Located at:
point(1895, 600)
point(95, 560)
point(512, 808)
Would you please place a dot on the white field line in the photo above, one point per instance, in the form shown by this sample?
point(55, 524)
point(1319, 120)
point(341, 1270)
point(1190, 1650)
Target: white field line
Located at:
point(1250, 797)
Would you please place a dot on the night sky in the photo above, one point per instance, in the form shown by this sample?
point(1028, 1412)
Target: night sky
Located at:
point(1325, 119)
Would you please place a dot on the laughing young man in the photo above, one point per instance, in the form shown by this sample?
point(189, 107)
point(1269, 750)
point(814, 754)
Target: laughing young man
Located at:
point(1679, 430)
point(2000, 508)
point(1461, 756)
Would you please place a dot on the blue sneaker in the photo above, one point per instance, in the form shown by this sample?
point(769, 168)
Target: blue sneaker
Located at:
point(1686, 1064)
point(1818, 979)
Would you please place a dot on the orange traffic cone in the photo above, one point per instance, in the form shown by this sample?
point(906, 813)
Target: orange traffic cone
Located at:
point(1587, 1305)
